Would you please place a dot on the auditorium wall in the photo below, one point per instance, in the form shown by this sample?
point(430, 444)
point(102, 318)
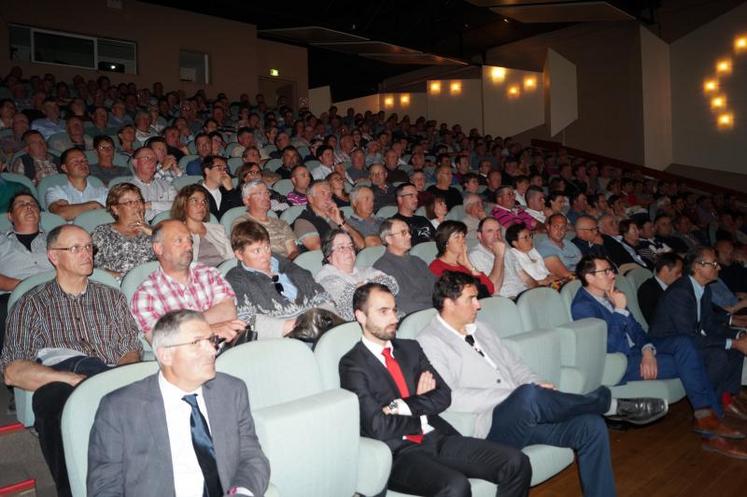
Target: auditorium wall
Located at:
point(160, 33)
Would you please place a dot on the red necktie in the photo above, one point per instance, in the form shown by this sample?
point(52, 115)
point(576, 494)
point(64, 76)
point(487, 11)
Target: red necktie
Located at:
point(399, 379)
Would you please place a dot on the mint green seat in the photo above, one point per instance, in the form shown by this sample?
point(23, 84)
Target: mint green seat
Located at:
point(369, 255)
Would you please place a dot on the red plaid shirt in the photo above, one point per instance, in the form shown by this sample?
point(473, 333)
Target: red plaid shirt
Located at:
point(160, 294)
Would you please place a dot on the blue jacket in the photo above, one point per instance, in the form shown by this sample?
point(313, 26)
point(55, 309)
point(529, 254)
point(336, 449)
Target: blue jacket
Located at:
point(618, 325)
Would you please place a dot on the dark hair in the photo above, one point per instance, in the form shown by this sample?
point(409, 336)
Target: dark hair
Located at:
point(200, 135)
point(444, 232)
point(322, 149)
point(587, 264)
point(624, 226)
point(430, 205)
point(485, 220)
point(695, 256)
point(247, 232)
point(23, 193)
point(155, 139)
point(327, 243)
point(102, 138)
point(398, 190)
point(668, 260)
point(469, 177)
point(553, 196)
point(66, 153)
point(179, 205)
point(512, 233)
point(450, 286)
point(312, 324)
point(209, 162)
point(360, 297)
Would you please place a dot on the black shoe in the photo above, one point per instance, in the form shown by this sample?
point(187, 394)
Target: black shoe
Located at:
point(640, 411)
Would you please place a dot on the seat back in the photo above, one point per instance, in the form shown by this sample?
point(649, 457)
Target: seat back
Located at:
point(135, 276)
point(623, 284)
point(387, 211)
point(186, 160)
point(89, 220)
point(23, 180)
point(542, 308)
point(569, 291)
point(185, 180)
point(234, 163)
point(425, 250)
point(50, 221)
point(273, 164)
point(80, 411)
point(118, 180)
point(275, 371)
point(414, 323)
point(331, 347)
point(227, 265)
point(229, 216)
point(456, 213)
point(283, 186)
point(45, 184)
point(369, 255)
point(501, 315)
point(311, 261)
point(291, 213)
point(98, 275)
point(638, 275)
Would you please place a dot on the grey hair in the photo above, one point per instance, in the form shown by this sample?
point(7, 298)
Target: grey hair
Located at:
point(313, 186)
point(356, 193)
point(168, 326)
point(470, 199)
point(246, 188)
point(385, 229)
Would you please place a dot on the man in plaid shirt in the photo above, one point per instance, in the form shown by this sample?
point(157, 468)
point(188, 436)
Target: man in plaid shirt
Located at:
point(179, 284)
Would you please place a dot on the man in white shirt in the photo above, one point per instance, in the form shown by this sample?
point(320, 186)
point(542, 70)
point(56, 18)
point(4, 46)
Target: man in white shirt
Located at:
point(488, 255)
point(535, 203)
point(514, 406)
point(78, 195)
point(158, 193)
point(200, 436)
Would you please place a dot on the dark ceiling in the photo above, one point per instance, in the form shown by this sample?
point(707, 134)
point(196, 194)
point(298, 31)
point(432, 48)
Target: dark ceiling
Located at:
point(455, 29)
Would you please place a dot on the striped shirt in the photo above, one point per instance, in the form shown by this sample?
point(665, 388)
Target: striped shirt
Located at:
point(508, 217)
point(160, 293)
point(96, 323)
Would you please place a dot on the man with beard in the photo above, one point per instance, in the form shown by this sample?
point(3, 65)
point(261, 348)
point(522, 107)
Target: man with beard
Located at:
point(180, 284)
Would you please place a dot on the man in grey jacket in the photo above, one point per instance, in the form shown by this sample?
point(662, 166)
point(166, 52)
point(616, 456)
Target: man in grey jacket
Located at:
point(513, 405)
point(199, 437)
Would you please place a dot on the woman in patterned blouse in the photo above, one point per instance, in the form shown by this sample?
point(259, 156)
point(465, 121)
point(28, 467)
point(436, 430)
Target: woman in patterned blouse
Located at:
point(125, 243)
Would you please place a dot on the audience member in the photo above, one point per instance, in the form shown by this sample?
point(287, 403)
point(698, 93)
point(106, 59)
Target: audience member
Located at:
point(51, 123)
point(443, 187)
point(384, 192)
point(62, 332)
point(159, 194)
point(77, 195)
point(732, 270)
point(320, 216)
point(36, 163)
point(535, 198)
point(203, 146)
point(125, 243)
point(524, 266)
point(73, 137)
point(301, 179)
point(363, 218)
point(210, 245)
point(560, 255)
point(414, 278)
point(223, 196)
point(104, 168)
point(429, 456)
point(451, 255)
point(271, 291)
point(340, 277)
point(178, 283)
point(488, 256)
point(212, 446)
point(474, 212)
point(506, 211)
point(667, 270)
point(421, 228)
point(436, 210)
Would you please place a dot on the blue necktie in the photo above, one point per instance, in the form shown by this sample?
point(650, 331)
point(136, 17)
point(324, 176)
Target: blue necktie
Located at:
point(203, 445)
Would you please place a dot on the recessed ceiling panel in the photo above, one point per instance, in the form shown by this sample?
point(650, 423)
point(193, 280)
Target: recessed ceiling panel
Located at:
point(311, 35)
point(563, 12)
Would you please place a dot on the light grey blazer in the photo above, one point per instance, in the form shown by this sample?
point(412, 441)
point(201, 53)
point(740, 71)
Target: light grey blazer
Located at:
point(476, 387)
point(129, 452)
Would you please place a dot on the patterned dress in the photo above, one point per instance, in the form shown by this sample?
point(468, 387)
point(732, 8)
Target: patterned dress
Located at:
point(119, 253)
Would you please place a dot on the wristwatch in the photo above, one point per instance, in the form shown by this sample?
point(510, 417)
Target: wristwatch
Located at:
point(394, 407)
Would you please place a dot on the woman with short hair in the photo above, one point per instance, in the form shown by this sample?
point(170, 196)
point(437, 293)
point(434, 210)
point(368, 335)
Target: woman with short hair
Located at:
point(210, 245)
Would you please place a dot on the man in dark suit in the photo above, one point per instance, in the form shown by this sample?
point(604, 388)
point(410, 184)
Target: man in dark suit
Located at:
point(216, 180)
point(686, 309)
point(401, 395)
point(667, 270)
point(199, 436)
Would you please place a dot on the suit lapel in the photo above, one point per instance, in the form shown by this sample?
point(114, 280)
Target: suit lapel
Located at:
point(159, 433)
point(379, 368)
point(220, 424)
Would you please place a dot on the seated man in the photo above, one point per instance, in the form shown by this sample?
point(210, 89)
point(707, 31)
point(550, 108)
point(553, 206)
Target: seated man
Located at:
point(363, 218)
point(256, 198)
point(653, 356)
point(78, 195)
point(51, 123)
point(421, 228)
point(271, 291)
point(686, 309)
point(401, 395)
point(668, 269)
point(560, 255)
point(158, 194)
point(474, 212)
point(320, 217)
point(488, 256)
point(168, 165)
point(443, 187)
point(412, 274)
point(23, 250)
point(535, 198)
point(383, 190)
point(37, 162)
point(61, 332)
point(180, 284)
point(74, 137)
point(300, 178)
point(104, 168)
point(203, 146)
point(205, 442)
point(507, 212)
point(223, 196)
point(732, 270)
point(514, 406)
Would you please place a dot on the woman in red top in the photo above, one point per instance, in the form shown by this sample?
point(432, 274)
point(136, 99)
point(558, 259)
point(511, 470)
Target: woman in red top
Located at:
point(452, 256)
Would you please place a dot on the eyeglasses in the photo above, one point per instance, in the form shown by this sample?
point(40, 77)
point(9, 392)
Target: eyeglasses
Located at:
point(76, 249)
point(278, 286)
point(213, 340)
point(131, 203)
point(345, 248)
point(715, 264)
point(606, 271)
point(401, 233)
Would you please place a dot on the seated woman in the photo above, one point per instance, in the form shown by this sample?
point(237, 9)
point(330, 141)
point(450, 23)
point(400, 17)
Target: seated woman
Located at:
point(524, 266)
point(337, 184)
point(210, 244)
point(436, 210)
point(339, 276)
point(363, 218)
point(126, 137)
point(271, 291)
point(125, 243)
point(452, 255)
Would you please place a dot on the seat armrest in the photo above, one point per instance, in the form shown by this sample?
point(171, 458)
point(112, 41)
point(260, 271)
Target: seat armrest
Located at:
point(614, 368)
point(374, 465)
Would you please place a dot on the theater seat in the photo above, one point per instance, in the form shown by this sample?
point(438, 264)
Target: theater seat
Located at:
point(90, 220)
point(311, 261)
point(425, 250)
point(310, 435)
point(369, 255)
point(23, 180)
point(283, 186)
point(80, 411)
point(638, 275)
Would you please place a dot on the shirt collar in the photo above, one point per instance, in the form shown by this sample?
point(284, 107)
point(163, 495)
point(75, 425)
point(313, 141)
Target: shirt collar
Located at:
point(172, 392)
point(661, 283)
point(375, 348)
point(470, 328)
point(274, 266)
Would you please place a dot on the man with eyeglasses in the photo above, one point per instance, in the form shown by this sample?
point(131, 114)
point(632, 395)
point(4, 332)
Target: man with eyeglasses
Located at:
point(421, 229)
point(61, 332)
point(655, 355)
point(77, 195)
point(178, 283)
point(686, 309)
point(411, 272)
point(216, 180)
point(507, 212)
point(199, 430)
point(158, 194)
